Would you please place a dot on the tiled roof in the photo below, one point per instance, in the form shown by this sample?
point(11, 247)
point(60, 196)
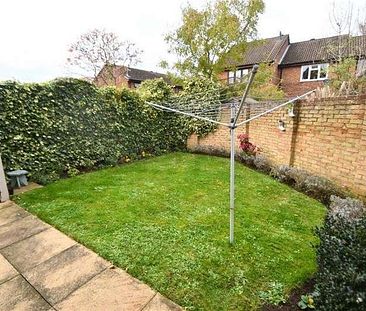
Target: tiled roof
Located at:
point(316, 50)
point(266, 50)
point(134, 73)
point(141, 75)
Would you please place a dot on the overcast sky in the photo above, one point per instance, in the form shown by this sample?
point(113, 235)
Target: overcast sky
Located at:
point(36, 34)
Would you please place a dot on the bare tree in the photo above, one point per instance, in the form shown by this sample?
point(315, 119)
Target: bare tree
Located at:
point(341, 19)
point(345, 50)
point(361, 23)
point(362, 28)
point(99, 49)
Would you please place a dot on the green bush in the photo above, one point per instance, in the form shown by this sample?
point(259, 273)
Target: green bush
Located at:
point(246, 159)
point(58, 128)
point(283, 174)
point(203, 94)
point(317, 187)
point(341, 257)
point(262, 163)
point(155, 90)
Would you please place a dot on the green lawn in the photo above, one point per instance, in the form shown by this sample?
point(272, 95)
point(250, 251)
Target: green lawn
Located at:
point(166, 221)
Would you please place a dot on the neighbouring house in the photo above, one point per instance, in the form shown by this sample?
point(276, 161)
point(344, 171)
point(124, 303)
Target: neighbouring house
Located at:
point(270, 50)
point(122, 76)
point(301, 66)
point(305, 64)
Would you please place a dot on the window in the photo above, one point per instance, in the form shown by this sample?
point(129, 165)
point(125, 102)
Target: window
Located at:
point(231, 78)
point(237, 76)
point(314, 72)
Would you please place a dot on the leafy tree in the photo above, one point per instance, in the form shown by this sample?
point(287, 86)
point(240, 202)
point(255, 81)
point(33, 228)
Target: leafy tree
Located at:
point(343, 78)
point(210, 39)
point(155, 90)
point(99, 49)
point(264, 85)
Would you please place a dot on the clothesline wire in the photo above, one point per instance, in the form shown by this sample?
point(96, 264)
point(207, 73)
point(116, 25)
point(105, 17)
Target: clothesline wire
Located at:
point(192, 103)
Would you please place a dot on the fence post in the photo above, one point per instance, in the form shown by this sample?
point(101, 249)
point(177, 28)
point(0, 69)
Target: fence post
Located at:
point(4, 194)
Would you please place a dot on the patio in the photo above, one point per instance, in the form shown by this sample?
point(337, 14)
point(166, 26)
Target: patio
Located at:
point(43, 269)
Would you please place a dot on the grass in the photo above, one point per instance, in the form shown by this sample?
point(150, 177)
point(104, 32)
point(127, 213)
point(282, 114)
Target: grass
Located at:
point(165, 220)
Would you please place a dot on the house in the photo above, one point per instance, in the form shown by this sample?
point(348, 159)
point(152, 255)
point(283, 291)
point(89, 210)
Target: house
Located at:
point(301, 66)
point(305, 64)
point(270, 50)
point(125, 76)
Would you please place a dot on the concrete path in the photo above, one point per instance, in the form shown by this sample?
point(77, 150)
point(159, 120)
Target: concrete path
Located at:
point(43, 269)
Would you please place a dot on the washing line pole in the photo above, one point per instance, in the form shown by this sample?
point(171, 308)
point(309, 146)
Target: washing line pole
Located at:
point(234, 116)
point(232, 173)
point(4, 194)
point(232, 125)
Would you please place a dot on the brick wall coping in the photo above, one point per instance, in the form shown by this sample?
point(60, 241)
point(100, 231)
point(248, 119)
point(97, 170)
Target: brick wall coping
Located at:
point(337, 98)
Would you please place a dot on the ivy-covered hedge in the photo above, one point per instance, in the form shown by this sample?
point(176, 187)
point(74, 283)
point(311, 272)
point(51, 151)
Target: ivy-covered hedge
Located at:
point(341, 256)
point(67, 125)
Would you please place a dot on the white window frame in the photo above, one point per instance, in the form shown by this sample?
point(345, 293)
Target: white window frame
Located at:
point(313, 67)
point(232, 75)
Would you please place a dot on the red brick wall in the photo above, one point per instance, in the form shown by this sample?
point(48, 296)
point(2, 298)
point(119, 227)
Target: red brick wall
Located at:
point(120, 81)
point(327, 137)
point(223, 77)
point(292, 85)
point(115, 78)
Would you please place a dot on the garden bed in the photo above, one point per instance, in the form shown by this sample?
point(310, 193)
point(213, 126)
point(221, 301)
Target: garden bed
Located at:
point(165, 220)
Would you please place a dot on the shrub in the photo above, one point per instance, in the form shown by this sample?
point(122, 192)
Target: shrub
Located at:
point(306, 302)
point(298, 176)
point(262, 164)
point(250, 155)
point(246, 159)
point(246, 146)
point(341, 258)
point(317, 187)
point(347, 208)
point(274, 295)
point(283, 174)
point(155, 90)
point(204, 93)
point(220, 152)
point(45, 178)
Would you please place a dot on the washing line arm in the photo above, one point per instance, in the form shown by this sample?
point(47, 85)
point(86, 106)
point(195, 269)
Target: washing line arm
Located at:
point(275, 108)
point(187, 114)
point(245, 94)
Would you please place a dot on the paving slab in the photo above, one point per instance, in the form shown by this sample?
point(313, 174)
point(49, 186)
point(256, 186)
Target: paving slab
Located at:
point(36, 249)
point(161, 303)
point(43, 269)
point(20, 229)
point(17, 294)
point(29, 187)
point(113, 289)
point(11, 213)
point(6, 204)
point(7, 271)
point(59, 276)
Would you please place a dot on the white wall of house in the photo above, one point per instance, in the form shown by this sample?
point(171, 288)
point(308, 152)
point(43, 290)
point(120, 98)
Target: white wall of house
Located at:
point(4, 194)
